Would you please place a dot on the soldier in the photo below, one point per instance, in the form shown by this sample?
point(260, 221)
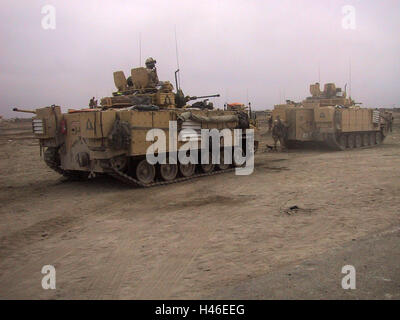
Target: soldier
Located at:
point(129, 81)
point(279, 133)
point(270, 124)
point(391, 123)
point(388, 119)
point(152, 70)
point(391, 119)
point(91, 103)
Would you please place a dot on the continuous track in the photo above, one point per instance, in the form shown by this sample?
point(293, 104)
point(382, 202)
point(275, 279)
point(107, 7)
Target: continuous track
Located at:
point(117, 174)
point(52, 159)
point(334, 144)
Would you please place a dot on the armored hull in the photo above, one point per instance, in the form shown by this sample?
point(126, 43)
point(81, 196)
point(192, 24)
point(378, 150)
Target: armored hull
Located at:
point(116, 142)
point(141, 119)
point(331, 118)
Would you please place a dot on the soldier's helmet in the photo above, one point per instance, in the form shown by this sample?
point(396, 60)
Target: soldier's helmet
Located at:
point(150, 63)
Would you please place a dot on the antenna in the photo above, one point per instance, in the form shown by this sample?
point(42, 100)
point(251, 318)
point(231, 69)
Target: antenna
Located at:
point(177, 58)
point(248, 102)
point(176, 80)
point(319, 73)
point(226, 98)
point(140, 49)
point(250, 110)
point(350, 77)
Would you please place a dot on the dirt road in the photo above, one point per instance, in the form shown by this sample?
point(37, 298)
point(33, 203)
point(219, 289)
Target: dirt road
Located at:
point(188, 240)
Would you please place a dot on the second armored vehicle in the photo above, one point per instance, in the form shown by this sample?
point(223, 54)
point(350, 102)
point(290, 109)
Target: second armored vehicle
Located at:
point(330, 117)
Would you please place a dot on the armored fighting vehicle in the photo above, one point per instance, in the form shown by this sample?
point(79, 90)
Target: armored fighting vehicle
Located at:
point(330, 117)
point(113, 138)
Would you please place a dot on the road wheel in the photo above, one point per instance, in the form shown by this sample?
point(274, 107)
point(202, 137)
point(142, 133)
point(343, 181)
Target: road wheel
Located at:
point(235, 159)
point(343, 141)
point(366, 140)
point(256, 144)
point(358, 141)
point(168, 171)
point(120, 163)
point(222, 165)
point(206, 168)
point(145, 172)
point(372, 139)
point(351, 141)
point(378, 138)
point(187, 170)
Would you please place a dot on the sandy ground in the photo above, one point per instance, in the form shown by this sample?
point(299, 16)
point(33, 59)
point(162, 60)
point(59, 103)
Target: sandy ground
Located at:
point(222, 236)
point(377, 274)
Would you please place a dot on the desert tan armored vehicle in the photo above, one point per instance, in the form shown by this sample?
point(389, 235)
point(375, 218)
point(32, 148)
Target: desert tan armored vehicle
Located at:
point(114, 138)
point(330, 117)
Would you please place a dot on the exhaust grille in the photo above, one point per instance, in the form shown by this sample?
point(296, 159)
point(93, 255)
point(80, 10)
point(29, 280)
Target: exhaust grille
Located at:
point(191, 131)
point(376, 116)
point(37, 126)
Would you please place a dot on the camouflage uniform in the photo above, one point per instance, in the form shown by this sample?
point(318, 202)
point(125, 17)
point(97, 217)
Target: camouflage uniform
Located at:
point(391, 119)
point(388, 117)
point(270, 124)
point(92, 103)
point(279, 133)
point(152, 70)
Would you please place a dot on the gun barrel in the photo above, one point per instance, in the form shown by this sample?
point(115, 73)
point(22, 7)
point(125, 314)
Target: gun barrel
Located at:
point(210, 96)
point(25, 111)
point(202, 97)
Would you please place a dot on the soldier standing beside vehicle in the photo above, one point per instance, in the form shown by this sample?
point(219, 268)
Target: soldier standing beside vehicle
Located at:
point(270, 124)
point(279, 133)
point(391, 119)
point(388, 117)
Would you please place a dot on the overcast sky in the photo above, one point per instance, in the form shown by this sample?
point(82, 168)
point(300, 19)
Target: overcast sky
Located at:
point(268, 49)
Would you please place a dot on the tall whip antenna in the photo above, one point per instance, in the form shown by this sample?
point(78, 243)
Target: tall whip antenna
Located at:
point(140, 49)
point(349, 77)
point(177, 57)
point(319, 73)
point(226, 98)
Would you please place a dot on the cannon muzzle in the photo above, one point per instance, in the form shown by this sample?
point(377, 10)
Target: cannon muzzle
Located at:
point(25, 111)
